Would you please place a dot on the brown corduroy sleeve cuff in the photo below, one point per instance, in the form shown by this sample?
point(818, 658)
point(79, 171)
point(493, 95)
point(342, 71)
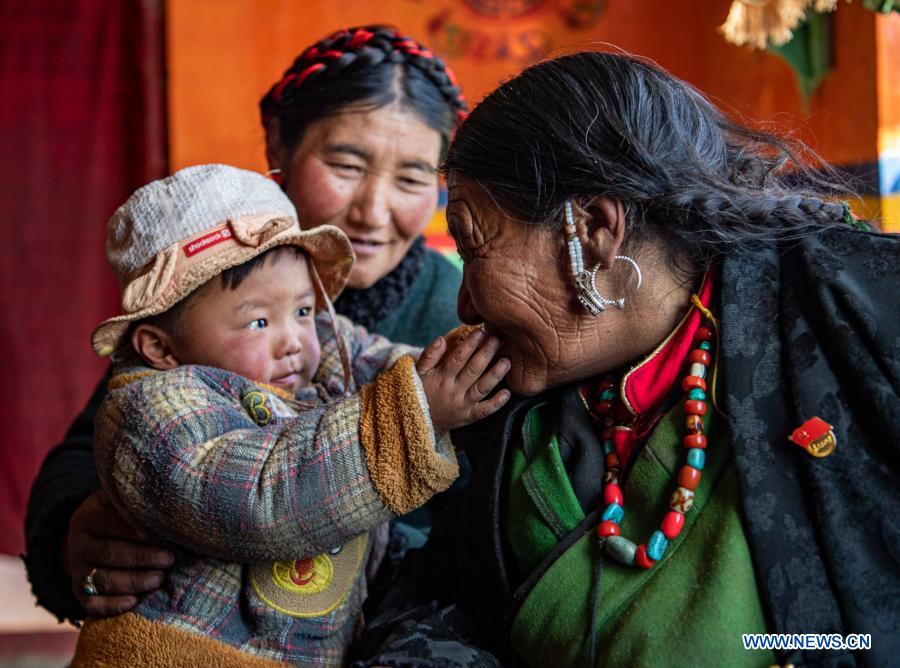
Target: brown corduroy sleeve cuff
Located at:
point(407, 463)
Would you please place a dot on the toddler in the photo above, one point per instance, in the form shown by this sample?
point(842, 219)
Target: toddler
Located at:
point(256, 431)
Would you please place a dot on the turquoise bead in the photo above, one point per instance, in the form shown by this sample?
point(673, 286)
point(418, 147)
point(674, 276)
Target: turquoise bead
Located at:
point(613, 513)
point(608, 446)
point(620, 549)
point(705, 345)
point(697, 393)
point(656, 546)
point(696, 457)
point(607, 395)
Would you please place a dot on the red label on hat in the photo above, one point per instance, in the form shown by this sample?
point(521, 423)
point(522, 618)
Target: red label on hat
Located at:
point(208, 240)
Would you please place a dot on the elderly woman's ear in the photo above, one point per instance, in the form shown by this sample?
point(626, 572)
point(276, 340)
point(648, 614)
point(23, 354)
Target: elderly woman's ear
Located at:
point(601, 227)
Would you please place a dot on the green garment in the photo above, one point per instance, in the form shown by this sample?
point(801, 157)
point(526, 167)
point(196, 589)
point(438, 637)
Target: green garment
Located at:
point(690, 609)
point(429, 309)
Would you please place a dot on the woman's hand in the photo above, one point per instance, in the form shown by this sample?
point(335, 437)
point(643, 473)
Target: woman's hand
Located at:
point(456, 383)
point(118, 558)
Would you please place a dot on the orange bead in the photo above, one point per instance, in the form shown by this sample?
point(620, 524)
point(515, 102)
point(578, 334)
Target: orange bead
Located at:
point(672, 523)
point(690, 382)
point(689, 477)
point(612, 494)
point(603, 407)
point(694, 423)
point(695, 407)
point(608, 528)
point(694, 440)
point(612, 461)
point(700, 357)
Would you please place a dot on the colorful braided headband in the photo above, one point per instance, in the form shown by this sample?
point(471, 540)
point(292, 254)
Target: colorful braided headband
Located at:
point(318, 58)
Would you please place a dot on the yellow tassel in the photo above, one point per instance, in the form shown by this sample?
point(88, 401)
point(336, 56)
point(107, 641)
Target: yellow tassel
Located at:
point(695, 300)
point(758, 23)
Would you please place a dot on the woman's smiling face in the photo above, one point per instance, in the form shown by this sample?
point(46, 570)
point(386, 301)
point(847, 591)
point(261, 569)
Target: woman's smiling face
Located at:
point(514, 282)
point(373, 174)
point(517, 282)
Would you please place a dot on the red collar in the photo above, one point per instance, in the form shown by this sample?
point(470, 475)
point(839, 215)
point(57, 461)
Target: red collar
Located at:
point(648, 382)
point(646, 385)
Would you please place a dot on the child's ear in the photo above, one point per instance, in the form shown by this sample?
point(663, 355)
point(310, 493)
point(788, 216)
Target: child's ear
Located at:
point(155, 346)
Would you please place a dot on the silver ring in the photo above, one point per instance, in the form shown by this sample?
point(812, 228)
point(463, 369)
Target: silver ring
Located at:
point(637, 269)
point(89, 587)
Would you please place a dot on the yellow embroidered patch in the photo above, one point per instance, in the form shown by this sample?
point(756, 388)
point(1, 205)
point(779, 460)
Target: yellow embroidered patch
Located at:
point(310, 587)
point(254, 402)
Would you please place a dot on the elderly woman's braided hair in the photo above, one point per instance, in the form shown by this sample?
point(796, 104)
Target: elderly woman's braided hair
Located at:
point(607, 124)
point(372, 66)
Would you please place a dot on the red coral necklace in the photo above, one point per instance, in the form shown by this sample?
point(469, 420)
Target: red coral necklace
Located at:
point(609, 405)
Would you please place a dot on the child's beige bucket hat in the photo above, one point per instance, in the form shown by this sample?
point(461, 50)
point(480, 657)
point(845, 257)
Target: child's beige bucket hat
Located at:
point(175, 234)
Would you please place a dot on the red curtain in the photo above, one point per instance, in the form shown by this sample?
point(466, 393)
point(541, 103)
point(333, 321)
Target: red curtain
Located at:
point(81, 126)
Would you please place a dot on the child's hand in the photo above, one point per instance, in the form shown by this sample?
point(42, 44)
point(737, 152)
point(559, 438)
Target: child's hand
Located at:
point(456, 383)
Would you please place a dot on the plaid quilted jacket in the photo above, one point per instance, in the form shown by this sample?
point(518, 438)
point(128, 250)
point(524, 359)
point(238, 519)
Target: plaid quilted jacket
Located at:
point(269, 501)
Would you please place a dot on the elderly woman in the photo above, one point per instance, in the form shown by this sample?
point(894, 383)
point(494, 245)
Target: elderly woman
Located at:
point(355, 131)
point(708, 351)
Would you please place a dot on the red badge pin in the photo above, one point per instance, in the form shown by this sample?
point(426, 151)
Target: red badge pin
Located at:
point(815, 436)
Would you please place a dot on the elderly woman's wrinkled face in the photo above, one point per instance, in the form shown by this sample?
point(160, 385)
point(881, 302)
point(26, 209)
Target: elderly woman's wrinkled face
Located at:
point(515, 283)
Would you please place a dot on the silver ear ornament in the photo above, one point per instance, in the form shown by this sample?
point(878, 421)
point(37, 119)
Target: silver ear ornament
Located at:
point(585, 281)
